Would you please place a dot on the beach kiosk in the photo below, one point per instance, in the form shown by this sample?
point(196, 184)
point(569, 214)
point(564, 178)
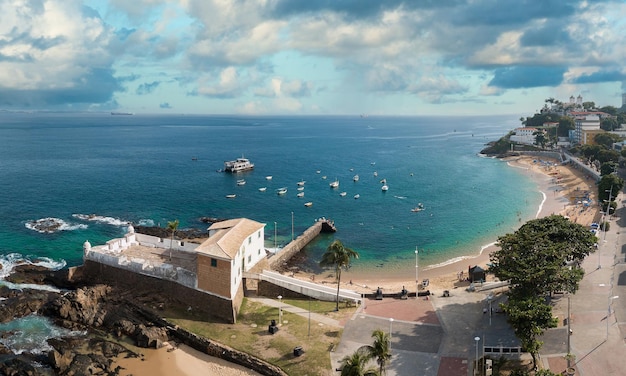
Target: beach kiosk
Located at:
point(477, 274)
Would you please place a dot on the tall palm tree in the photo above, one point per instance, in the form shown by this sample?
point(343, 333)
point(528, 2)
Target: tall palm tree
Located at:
point(172, 226)
point(380, 349)
point(338, 256)
point(356, 365)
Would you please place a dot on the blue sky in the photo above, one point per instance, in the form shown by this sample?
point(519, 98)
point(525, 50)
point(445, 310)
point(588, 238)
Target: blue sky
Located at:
point(414, 57)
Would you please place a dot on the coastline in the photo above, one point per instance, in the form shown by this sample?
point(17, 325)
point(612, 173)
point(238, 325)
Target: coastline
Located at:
point(559, 186)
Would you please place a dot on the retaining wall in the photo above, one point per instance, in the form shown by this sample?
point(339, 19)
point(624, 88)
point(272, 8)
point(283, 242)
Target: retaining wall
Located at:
point(295, 246)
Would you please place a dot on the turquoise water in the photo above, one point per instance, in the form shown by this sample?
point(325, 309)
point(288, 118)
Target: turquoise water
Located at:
point(94, 173)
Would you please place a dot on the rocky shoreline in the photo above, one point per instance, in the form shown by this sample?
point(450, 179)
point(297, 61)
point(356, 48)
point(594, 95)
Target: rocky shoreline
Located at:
point(106, 318)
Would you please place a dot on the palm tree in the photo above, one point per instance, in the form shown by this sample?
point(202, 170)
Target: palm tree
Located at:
point(356, 364)
point(380, 349)
point(173, 226)
point(338, 256)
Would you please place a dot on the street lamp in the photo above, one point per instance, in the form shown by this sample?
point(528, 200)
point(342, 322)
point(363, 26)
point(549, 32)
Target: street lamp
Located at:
point(280, 311)
point(417, 281)
point(390, 329)
point(569, 332)
point(489, 299)
point(609, 314)
point(608, 204)
point(477, 339)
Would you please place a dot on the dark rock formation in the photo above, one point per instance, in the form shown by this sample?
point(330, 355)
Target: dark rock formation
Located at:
point(19, 304)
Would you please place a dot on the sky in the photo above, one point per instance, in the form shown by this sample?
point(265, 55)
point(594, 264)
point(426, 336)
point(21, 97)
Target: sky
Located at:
point(310, 57)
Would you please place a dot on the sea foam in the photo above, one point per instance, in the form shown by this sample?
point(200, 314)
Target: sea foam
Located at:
point(51, 225)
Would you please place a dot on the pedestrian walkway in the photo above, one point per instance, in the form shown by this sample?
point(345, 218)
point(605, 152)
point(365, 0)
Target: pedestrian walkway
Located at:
point(298, 311)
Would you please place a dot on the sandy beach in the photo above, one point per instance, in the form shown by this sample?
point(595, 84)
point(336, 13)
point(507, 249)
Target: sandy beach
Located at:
point(564, 188)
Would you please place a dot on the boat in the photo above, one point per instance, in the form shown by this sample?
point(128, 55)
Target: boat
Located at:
point(301, 183)
point(418, 208)
point(300, 194)
point(356, 196)
point(342, 194)
point(373, 163)
point(241, 182)
point(375, 173)
point(334, 184)
point(238, 165)
point(384, 181)
point(269, 177)
point(355, 178)
point(385, 188)
point(318, 171)
point(281, 191)
point(301, 188)
point(194, 158)
point(231, 196)
point(308, 204)
point(324, 177)
point(262, 189)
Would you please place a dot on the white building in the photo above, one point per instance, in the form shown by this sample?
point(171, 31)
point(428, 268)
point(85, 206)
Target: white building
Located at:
point(585, 124)
point(525, 135)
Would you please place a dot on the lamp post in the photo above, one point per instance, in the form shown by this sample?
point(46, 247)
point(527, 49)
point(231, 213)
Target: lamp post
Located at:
point(280, 311)
point(608, 315)
point(569, 332)
point(417, 281)
point(477, 339)
point(390, 329)
point(608, 204)
point(489, 299)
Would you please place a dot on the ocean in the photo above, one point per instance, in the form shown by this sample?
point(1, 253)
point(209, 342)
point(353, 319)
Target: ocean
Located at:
point(92, 174)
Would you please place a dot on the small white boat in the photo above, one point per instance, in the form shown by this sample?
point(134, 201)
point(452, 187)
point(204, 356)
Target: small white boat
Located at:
point(342, 194)
point(384, 181)
point(355, 178)
point(418, 208)
point(373, 163)
point(300, 188)
point(334, 184)
point(318, 171)
point(231, 196)
point(324, 177)
point(385, 188)
point(241, 182)
point(281, 191)
point(269, 177)
point(375, 173)
point(300, 194)
point(356, 196)
point(262, 189)
point(308, 204)
point(301, 183)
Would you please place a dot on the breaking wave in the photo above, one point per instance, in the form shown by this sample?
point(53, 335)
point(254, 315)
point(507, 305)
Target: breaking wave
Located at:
point(31, 334)
point(9, 261)
point(101, 219)
point(50, 225)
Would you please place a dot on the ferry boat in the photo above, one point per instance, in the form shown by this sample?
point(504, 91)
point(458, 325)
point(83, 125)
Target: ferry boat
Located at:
point(238, 165)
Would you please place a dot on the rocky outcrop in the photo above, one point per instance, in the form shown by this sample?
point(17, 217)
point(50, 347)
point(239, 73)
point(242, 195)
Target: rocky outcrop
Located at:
point(70, 357)
point(21, 303)
point(84, 306)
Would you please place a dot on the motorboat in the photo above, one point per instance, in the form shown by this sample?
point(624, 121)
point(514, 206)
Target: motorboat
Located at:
point(238, 165)
point(355, 178)
point(269, 177)
point(334, 184)
point(308, 204)
point(262, 189)
point(342, 194)
point(300, 194)
point(301, 183)
point(356, 196)
point(324, 177)
point(300, 188)
point(375, 173)
point(318, 171)
point(281, 191)
point(385, 188)
point(418, 208)
point(231, 196)
point(241, 182)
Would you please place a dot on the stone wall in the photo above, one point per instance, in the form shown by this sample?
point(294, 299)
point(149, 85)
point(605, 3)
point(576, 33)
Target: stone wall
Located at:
point(93, 272)
point(295, 246)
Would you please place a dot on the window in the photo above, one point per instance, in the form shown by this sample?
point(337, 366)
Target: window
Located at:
point(213, 262)
point(249, 258)
point(250, 240)
point(259, 234)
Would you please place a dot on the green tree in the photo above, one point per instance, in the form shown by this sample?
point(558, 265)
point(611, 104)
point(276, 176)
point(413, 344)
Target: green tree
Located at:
point(608, 168)
point(356, 364)
point(540, 138)
point(529, 317)
point(606, 139)
point(609, 185)
point(338, 256)
point(611, 110)
point(380, 350)
point(172, 226)
point(588, 106)
point(566, 124)
point(540, 256)
point(609, 124)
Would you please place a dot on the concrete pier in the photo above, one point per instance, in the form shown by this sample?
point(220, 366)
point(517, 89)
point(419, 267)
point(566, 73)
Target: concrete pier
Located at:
point(296, 245)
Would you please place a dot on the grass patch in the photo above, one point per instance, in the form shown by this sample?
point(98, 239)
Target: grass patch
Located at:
point(250, 334)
